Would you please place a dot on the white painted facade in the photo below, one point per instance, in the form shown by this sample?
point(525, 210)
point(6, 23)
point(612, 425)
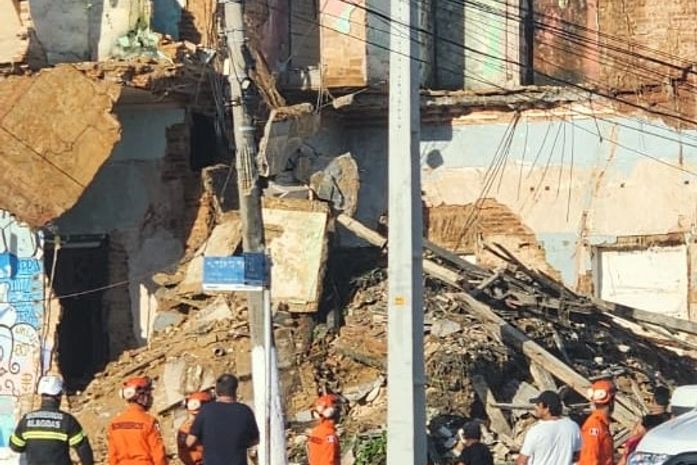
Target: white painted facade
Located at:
point(655, 279)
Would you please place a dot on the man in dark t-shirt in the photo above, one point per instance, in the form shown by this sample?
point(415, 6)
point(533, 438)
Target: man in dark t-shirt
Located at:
point(474, 453)
point(225, 428)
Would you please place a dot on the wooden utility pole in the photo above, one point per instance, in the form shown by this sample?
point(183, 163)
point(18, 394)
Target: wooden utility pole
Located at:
point(272, 448)
point(406, 399)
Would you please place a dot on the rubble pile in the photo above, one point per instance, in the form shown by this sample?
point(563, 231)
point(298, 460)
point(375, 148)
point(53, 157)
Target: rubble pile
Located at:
point(466, 361)
point(476, 368)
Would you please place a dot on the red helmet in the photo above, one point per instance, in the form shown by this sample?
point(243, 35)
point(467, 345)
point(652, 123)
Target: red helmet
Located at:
point(197, 399)
point(601, 392)
point(326, 405)
point(136, 386)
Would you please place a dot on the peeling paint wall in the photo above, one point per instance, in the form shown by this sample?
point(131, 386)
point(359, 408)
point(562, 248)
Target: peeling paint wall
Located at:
point(21, 322)
point(575, 182)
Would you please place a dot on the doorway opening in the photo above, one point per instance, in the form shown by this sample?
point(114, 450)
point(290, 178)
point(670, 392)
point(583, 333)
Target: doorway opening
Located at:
point(81, 272)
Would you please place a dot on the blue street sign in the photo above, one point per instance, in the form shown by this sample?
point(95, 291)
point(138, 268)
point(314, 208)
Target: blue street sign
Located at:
point(238, 273)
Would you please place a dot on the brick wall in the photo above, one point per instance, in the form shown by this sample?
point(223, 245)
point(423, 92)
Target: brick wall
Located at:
point(343, 48)
point(592, 41)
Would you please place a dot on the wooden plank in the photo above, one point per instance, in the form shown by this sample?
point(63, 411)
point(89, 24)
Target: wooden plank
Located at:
point(513, 337)
point(455, 259)
point(499, 424)
point(675, 324)
point(362, 231)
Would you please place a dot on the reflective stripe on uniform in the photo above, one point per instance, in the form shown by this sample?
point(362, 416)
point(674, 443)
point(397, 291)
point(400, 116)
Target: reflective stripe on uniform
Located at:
point(45, 435)
point(77, 438)
point(17, 441)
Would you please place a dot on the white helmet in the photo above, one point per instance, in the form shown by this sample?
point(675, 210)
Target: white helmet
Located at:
point(50, 385)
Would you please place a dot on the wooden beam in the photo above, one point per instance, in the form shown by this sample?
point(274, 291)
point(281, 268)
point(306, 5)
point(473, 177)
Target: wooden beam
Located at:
point(513, 337)
point(629, 313)
point(362, 231)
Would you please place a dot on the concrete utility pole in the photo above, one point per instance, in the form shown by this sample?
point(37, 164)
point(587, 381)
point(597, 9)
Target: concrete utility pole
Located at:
point(272, 448)
point(406, 398)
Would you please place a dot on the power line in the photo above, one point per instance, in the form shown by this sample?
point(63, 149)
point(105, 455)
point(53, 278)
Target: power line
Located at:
point(530, 98)
point(517, 63)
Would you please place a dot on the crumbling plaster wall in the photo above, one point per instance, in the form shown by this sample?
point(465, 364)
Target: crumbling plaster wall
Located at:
point(75, 30)
point(609, 191)
point(140, 198)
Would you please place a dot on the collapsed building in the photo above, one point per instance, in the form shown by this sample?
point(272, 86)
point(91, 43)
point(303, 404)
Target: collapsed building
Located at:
point(557, 129)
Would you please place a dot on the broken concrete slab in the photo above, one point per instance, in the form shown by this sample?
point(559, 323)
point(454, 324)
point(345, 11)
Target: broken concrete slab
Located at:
point(53, 143)
point(296, 236)
point(216, 311)
point(338, 184)
point(164, 320)
point(169, 389)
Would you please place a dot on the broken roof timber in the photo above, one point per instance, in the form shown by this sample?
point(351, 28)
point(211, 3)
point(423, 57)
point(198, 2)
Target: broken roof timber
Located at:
point(435, 104)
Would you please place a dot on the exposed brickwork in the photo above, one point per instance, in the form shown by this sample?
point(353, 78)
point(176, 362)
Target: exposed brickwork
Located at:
point(343, 47)
point(599, 50)
point(455, 228)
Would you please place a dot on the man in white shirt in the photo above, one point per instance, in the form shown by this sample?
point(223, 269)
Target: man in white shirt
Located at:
point(553, 440)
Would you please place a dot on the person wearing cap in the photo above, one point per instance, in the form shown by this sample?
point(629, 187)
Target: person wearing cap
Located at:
point(133, 436)
point(597, 440)
point(225, 428)
point(191, 455)
point(47, 434)
point(474, 452)
point(323, 446)
point(554, 440)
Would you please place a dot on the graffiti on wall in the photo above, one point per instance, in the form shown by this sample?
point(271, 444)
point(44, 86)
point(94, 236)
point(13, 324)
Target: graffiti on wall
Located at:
point(21, 313)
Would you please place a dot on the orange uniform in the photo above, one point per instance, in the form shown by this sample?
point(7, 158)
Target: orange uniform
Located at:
point(189, 456)
point(323, 444)
point(134, 439)
point(597, 445)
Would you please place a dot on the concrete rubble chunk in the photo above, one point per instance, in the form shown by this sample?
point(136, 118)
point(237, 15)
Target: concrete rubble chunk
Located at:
point(445, 328)
point(169, 389)
point(296, 235)
point(338, 184)
point(164, 320)
point(53, 143)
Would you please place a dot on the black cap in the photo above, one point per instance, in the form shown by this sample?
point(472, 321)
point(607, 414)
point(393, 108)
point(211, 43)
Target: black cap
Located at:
point(549, 399)
point(472, 430)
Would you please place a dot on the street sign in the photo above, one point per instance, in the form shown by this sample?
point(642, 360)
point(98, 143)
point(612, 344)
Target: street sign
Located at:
point(236, 273)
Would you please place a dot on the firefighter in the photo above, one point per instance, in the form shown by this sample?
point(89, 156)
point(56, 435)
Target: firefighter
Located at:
point(47, 434)
point(193, 455)
point(134, 436)
point(597, 445)
point(323, 442)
